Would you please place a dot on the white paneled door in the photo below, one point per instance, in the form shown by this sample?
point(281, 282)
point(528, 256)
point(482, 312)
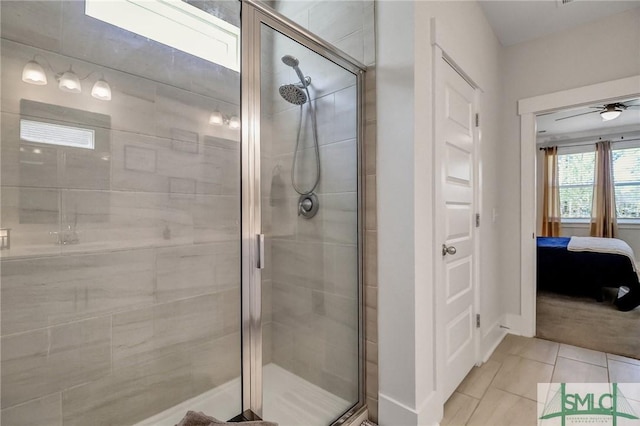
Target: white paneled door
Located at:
point(455, 221)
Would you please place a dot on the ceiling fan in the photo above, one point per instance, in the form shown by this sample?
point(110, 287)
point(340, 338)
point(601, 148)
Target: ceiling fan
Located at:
point(607, 111)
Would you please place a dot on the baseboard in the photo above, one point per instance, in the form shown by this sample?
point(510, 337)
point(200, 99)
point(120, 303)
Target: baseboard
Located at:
point(394, 413)
point(517, 324)
point(492, 337)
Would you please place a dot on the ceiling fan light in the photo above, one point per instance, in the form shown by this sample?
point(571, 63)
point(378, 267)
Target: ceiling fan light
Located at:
point(610, 114)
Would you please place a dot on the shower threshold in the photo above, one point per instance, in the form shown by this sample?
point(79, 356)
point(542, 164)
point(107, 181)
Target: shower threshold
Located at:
point(288, 400)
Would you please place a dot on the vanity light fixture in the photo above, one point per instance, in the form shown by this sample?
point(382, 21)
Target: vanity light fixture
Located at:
point(33, 73)
point(234, 122)
point(5, 238)
point(68, 81)
point(218, 119)
point(101, 90)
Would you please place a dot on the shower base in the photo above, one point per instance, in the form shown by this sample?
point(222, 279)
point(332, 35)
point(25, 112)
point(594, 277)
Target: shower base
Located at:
point(289, 400)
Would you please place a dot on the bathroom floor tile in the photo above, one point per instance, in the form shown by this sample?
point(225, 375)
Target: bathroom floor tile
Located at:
point(572, 371)
point(478, 379)
point(623, 359)
point(584, 355)
point(622, 372)
point(503, 391)
point(500, 408)
point(520, 376)
point(539, 350)
point(458, 409)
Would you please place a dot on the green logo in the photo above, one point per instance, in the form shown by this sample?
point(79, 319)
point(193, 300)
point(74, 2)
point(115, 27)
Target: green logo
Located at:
point(581, 406)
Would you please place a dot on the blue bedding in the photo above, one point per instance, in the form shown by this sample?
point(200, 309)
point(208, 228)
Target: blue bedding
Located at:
point(584, 273)
point(553, 242)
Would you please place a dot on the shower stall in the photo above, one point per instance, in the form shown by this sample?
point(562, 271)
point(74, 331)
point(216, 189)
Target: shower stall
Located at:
point(181, 214)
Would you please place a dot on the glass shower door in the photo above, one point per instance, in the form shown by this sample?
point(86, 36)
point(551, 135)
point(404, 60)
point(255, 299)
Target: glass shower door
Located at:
point(309, 215)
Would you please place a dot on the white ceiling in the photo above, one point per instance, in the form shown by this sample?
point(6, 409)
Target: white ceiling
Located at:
point(517, 21)
point(587, 125)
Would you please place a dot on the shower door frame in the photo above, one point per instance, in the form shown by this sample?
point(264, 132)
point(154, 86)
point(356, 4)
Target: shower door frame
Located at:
point(254, 14)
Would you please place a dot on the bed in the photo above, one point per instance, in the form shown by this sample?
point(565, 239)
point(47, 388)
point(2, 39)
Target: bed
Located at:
point(585, 266)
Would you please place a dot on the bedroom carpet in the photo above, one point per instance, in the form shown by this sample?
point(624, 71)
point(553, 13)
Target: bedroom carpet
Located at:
point(581, 321)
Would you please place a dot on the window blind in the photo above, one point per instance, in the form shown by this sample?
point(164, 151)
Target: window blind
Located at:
point(626, 177)
point(575, 175)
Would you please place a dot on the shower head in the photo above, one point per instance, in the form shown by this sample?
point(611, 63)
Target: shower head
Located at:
point(290, 61)
point(293, 94)
point(293, 62)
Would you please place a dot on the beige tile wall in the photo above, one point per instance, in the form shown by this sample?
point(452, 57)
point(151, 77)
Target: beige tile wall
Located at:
point(144, 321)
point(144, 311)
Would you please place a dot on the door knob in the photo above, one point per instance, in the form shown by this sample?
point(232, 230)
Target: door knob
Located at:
point(448, 250)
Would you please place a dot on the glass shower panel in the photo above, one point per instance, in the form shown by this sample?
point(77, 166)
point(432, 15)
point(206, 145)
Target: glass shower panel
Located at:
point(309, 187)
point(121, 206)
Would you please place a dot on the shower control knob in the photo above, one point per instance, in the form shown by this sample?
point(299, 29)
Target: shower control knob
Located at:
point(306, 205)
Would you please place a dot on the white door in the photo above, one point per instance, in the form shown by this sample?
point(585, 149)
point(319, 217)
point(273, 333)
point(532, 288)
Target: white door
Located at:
point(454, 214)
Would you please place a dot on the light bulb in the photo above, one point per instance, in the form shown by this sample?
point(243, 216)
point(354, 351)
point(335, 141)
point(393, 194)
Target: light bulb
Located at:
point(33, 73)
point(101, 90)
point(69, 82)
point(234, 122)
point(216, 118)
point(610, 114)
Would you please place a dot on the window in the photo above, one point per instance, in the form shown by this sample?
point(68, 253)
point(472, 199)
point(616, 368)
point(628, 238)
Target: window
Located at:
point(175, 24)
point(626, 177)
point(56, 134)
point(575, 175)
point(576, 178)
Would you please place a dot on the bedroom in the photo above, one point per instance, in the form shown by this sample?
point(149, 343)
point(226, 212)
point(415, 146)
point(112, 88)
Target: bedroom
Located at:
point(588, 288)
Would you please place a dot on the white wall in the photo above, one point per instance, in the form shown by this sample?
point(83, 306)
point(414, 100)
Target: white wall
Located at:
point(600, 51)
point(407, 389)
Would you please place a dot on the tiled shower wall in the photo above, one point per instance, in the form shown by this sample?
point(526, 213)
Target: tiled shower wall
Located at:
point(350, 26)
point(314, 328)
point(142, 311)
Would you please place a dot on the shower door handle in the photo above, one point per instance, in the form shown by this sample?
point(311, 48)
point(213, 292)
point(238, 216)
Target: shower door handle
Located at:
point(261, 257)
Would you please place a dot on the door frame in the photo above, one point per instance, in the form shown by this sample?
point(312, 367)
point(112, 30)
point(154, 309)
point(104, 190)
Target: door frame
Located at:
point(254, 14)
point(528, 108)
point(440, 60)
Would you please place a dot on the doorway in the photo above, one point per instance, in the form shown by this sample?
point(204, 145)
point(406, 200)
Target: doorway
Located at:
point(528, 109)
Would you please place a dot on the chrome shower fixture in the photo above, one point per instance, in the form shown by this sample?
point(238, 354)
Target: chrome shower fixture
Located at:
point(298, 94)
point(295, 93)
point(293, 62)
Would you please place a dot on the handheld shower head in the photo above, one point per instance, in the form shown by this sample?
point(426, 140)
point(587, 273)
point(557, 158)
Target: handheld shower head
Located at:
point(290, 61)
point(293, 62)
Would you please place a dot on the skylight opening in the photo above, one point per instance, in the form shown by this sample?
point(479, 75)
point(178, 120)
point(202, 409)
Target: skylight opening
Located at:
point(176, 24)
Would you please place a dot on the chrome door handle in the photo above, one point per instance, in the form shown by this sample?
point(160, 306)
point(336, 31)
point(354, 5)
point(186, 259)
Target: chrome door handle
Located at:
point(261, 256)
point(448, 250)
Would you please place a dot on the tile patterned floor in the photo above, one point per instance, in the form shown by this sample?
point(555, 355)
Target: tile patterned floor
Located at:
point(502, 392)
